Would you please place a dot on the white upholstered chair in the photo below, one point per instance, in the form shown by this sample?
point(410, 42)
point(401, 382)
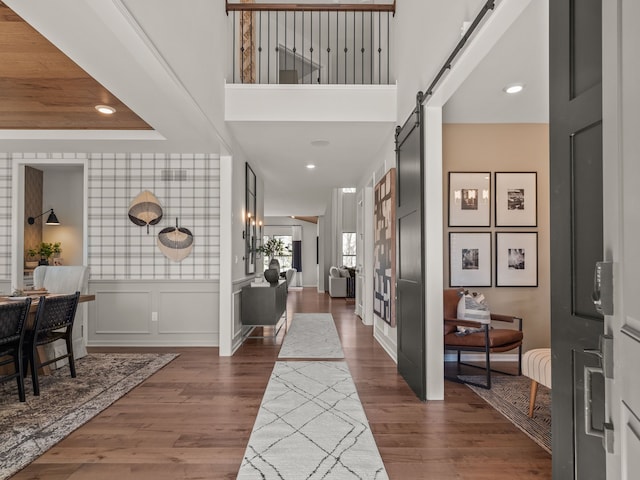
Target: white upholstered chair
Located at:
point(337, 283)
point(66, 279)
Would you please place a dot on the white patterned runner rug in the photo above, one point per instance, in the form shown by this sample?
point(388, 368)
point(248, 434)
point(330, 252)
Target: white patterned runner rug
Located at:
point(312, 335)
point(311, 425)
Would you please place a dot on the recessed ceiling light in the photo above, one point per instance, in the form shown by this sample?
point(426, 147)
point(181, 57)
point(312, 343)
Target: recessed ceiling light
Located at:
point(106, 109)
point(311, 166)
point(514, 88)
point(320, 143)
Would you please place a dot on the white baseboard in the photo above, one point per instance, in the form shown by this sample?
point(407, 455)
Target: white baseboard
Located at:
point(388, 346)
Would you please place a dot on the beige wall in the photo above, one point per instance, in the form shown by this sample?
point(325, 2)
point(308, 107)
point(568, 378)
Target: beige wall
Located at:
point(506, 148)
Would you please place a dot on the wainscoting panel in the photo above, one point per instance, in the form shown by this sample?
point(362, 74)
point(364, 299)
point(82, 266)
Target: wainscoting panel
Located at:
point(154, 313)
point(237, 323)
point(175, 305)
point(122, 312)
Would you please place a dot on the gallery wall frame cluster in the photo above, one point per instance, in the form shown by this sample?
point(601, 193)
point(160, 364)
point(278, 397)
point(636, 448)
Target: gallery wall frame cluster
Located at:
point(514, 202)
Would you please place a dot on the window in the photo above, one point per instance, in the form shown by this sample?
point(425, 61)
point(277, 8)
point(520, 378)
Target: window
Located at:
point(285, 260)
point(349, 249)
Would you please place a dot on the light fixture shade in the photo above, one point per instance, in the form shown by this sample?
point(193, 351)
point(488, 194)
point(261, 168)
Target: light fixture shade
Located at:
point(145, 209)
point(175, 243)
point(52, 219)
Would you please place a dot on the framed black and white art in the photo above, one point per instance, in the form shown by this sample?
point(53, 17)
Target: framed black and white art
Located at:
point(516, 202)
point(469, 199)
point(516, 259)
point(469, 259)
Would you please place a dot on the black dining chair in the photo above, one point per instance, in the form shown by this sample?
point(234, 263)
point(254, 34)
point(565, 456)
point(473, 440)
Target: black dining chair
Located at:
point(13, 325)
point(54, 321)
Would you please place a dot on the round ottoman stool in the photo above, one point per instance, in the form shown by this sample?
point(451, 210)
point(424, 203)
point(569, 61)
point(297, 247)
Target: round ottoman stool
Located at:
point(536, 364)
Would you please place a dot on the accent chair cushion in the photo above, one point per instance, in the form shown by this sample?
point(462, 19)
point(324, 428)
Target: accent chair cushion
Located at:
point(498, 337)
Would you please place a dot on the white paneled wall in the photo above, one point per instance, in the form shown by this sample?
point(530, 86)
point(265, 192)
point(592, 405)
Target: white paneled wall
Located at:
point(153, 313)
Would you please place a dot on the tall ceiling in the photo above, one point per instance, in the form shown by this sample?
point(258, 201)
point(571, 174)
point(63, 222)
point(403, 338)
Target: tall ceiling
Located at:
point(164, 64)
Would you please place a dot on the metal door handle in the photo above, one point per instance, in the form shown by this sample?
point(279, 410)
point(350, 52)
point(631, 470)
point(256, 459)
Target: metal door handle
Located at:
point(588, 426)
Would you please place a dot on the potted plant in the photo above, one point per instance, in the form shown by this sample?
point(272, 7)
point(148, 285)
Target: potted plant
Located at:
point(273, 248)
point(46, 250)
point(31, 259)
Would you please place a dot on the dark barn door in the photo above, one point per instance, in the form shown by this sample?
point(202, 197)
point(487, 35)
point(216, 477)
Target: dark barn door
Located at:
point(410, 254)
point(576, 231)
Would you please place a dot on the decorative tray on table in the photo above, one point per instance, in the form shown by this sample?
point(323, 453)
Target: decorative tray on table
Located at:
point(22, 294)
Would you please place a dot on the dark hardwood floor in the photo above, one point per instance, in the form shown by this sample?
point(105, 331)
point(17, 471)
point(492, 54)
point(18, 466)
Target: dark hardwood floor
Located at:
point(192, 419)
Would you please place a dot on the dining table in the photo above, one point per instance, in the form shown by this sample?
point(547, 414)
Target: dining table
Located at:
point(35, 300)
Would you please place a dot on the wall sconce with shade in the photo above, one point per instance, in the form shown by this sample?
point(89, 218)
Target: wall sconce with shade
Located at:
point(51, 219)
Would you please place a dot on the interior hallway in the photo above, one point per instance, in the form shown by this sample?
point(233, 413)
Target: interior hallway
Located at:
point(192, 420)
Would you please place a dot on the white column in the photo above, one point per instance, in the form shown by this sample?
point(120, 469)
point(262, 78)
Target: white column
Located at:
point(226, 252)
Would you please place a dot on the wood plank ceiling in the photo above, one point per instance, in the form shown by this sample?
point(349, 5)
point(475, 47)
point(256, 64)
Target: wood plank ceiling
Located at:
point(42, 88)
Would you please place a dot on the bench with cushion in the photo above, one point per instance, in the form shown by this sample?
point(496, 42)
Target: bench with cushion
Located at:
point(536, 364)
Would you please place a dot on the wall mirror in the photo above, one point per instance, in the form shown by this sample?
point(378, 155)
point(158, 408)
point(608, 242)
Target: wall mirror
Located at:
point(250, 221)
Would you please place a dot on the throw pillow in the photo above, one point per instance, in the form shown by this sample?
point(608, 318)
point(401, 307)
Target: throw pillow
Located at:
point(472, 306)
point(334, 272)
point(344, 272)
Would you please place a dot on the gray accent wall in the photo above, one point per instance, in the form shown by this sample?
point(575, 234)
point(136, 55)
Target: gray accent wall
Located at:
point(153, 313)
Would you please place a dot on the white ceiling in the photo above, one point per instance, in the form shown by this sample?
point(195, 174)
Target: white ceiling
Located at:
point(284, 149)
point(168, 64)
point(521, 56)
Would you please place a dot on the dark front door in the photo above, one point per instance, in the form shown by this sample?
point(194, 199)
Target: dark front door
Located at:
point(576, 231)
point(410, 256)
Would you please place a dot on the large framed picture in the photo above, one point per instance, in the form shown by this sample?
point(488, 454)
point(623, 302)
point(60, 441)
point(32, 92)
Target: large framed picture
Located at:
point(516, 259)
point(469, 199)
point(516, 199)
point(384, 248)
point(469, 259)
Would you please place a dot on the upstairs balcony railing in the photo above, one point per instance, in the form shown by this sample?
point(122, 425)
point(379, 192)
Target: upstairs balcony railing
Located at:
point(311, 43)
